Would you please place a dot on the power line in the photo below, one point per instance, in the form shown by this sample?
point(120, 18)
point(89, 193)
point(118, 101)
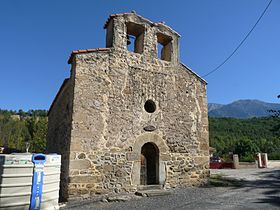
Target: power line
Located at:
point(240, 44)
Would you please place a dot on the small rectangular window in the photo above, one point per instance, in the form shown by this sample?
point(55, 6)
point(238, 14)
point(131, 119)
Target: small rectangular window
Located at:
point(164, 47)
point(135, 37)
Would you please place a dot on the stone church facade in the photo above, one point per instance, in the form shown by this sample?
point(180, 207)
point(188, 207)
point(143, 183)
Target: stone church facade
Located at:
point(130, 115)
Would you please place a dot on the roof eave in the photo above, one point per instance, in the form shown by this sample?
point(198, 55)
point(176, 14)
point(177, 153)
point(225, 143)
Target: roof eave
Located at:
point(199, 77)
point(75, 52)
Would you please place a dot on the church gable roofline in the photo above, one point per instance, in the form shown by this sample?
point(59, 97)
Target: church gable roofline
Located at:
point(195, 74)
point(61, 89)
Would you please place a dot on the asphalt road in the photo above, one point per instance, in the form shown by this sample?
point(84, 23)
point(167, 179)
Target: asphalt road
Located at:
point(260, 189)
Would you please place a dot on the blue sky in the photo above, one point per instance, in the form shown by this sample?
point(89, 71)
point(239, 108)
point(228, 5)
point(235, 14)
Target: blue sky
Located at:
point(37, 37)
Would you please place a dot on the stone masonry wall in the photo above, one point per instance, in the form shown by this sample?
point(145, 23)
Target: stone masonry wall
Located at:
point(108, 116)
point(110, 92)
point(59, 131)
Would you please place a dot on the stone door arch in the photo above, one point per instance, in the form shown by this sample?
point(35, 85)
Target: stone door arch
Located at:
point(150, 145)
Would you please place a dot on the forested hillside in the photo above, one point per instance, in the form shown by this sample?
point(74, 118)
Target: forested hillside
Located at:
point(245, 136)
point(19, 127)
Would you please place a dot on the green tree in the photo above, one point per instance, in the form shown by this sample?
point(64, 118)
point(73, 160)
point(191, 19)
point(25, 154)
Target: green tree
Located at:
point(245, 136)
point(13, 133)
point(38, 130)
point(246, 149)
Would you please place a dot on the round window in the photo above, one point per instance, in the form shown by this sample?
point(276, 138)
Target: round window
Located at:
point(150, 106)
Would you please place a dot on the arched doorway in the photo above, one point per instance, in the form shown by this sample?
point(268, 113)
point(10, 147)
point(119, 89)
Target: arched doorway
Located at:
point(149, 171)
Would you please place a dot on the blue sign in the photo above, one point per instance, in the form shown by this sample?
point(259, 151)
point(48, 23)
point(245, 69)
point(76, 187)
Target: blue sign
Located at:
point(37, 181)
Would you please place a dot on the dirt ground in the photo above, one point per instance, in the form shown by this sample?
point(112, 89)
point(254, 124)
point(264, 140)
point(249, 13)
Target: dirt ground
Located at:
point(251, 189)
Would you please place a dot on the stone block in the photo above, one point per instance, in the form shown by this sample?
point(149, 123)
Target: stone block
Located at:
point(131, 156)
point(75, 146)
point(194, 175)
point(165, 156)
point(108, 168)
point(82, 156)
point(90, 186)
point(201, 160)
point(83, 191)
point(79, 164)
point(120, 173)
point(204, 146)
point(72, 192)
point(85, 179)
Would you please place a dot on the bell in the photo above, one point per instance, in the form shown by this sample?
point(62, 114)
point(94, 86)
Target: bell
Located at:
point(128, 42)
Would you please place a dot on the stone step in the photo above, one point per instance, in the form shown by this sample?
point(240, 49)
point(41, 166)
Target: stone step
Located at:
point(150, 187)
point(152, 193)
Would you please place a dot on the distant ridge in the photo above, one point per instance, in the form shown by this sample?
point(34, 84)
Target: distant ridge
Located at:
point(242, 109)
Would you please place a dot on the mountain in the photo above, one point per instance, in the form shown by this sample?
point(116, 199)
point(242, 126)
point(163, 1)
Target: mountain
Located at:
point(213, 106)
point(242, 109)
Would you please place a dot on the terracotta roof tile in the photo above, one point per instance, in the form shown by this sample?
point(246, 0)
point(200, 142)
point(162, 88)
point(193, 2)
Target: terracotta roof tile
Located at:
point(90, 50)
point(82, 51)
